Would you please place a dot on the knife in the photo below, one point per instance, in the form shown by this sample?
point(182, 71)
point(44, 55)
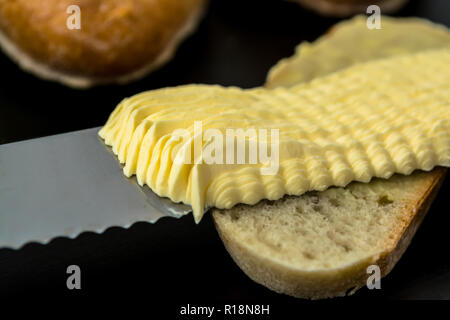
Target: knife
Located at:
point(66, 184)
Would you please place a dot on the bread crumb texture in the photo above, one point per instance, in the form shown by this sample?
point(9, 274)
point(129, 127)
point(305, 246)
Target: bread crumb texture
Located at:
point(320, 229)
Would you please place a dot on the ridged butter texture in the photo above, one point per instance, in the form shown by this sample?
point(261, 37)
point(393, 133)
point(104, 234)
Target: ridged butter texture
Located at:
point(370, 120)
point(350, 42)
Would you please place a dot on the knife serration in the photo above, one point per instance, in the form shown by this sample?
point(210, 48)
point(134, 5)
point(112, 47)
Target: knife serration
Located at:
point(66, 184)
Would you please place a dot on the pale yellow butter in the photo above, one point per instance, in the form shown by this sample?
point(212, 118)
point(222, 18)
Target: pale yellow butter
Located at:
point(351, 41)
point(370, 120)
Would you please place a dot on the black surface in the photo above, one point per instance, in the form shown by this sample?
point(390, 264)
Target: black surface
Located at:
point(176, 262)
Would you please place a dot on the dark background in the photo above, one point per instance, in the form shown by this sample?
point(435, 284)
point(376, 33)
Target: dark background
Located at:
point(176, 262)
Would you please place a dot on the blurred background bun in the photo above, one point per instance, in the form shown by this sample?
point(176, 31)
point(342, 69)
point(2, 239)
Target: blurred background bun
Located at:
point(343, 8)
point(119, 40)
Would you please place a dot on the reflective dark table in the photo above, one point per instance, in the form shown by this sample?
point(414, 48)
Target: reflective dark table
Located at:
point(176, 262)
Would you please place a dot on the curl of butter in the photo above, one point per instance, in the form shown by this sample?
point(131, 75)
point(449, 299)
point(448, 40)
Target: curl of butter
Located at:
point(370, 120)
point(336, 49)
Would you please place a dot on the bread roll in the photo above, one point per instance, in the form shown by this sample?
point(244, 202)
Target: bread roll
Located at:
point(119, 40)
point(343, 8)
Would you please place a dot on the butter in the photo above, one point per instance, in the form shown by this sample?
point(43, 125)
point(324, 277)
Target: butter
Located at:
point(370, 120)
point(336, 49)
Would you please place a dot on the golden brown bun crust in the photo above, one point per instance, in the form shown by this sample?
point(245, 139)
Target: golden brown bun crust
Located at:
point(116, 36)
point(343, 8)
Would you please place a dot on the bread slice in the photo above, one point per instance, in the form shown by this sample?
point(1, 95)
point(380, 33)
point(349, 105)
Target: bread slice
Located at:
point(320, 244)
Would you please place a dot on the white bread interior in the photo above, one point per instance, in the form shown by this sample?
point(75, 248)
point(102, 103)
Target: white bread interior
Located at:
point(320, 244)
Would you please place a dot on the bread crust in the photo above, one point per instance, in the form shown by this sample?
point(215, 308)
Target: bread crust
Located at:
point(344, 8)
point(119, 41)
point(328, 283)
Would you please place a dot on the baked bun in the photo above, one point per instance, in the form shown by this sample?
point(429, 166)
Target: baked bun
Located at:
point(119, 40)
point(343, 8)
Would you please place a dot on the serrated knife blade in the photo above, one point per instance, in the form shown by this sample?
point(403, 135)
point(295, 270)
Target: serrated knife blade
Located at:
point(66, 184)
